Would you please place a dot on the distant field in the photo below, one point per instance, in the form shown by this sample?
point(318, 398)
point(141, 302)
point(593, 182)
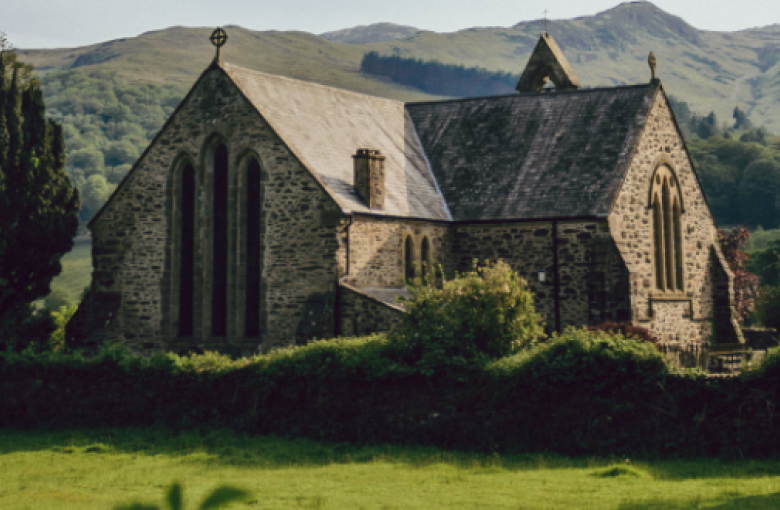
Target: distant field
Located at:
point(103, 468)
point(66, 289)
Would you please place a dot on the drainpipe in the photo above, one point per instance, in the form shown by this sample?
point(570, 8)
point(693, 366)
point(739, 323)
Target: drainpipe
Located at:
point(556, 278)
point(337, 293)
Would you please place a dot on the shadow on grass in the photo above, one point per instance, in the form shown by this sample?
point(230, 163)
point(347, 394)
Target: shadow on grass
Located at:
point(769, 501)
point(230, 448)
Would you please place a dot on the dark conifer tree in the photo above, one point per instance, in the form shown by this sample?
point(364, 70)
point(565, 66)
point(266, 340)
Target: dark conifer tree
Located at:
point(38, 205)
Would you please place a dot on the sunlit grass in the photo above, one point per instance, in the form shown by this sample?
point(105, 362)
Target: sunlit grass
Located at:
point(100, 469)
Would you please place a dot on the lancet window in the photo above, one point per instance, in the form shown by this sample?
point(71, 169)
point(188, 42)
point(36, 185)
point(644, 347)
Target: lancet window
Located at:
point(219, 276)
point(187, 252)
point(408, 258)
point(666, 202)
point(254, 317)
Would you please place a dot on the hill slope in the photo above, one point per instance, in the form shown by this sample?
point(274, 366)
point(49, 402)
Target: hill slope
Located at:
point(709, 70)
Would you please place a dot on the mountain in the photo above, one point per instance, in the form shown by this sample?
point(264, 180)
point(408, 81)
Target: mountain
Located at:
point(712, 71)
point(376, 32)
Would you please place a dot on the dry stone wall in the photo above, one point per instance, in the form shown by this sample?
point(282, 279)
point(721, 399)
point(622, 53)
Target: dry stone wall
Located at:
point(134, 239)
point(683, 323)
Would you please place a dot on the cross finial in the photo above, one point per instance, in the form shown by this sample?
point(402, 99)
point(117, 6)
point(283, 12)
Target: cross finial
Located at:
point(651, 63)
point(545, 21)
point(218, 38)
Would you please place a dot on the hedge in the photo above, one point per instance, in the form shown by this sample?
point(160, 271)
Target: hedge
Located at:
point(578, 394)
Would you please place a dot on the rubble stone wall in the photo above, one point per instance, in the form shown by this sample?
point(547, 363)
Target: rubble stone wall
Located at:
point(682, 322)
point(135, 238)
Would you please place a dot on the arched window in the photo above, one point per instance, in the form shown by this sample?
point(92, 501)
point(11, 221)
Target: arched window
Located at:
point(187, 252)
point(254, 252)
point(220, 247)
point(667, 231)
point(408, 258)
point(425, 255)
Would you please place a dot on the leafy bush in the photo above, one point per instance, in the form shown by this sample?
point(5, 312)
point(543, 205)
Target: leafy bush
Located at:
point(477, 316)
point(579, 355)
point(768, 307)
point(626, 330)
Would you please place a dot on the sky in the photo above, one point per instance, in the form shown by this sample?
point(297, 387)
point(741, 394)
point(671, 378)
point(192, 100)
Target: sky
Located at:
point(70, 23)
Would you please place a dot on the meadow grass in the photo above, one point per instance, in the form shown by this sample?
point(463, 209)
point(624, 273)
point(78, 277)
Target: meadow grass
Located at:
point(102, 468)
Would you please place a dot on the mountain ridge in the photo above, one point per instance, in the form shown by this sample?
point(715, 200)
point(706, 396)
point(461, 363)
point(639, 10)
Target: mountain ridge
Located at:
point(709, 70)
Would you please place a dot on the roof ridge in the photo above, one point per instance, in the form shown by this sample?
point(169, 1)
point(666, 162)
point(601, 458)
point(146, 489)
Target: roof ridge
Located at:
point(228, 67)
point(529, 94)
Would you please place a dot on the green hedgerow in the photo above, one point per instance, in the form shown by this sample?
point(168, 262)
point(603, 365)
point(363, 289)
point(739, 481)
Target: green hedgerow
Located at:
point(479, 315)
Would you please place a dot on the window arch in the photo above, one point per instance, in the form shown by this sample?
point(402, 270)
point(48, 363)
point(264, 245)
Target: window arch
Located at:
point(187, 252)
point(666, 202)
point(408, 258)
point(219, 275)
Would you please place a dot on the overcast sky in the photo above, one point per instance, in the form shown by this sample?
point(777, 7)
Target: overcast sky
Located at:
point(66, 23)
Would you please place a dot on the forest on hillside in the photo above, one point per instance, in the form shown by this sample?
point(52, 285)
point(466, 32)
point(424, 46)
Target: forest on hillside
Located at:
point(107, 124)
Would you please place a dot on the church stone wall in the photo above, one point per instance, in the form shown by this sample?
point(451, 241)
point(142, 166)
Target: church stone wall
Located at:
point(583, 250)
point(683, 323)
point(134, 238)
point(360, 314)
point(376, 248)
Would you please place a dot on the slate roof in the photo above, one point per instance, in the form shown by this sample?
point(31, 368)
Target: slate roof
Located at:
point(538, 155)
point(324, 126)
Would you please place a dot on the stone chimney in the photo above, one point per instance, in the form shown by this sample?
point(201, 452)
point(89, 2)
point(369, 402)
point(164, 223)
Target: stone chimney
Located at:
point(369, 177)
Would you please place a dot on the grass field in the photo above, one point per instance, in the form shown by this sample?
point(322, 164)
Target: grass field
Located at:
point(66, 288)
point(100, 469)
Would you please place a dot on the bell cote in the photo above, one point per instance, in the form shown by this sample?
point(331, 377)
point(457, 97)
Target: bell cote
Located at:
point(547, 63)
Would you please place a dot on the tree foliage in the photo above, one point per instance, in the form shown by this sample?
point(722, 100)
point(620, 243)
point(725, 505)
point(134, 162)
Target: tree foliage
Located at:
point(108, 123)
point(434, 77)
point(482, 314)
point(38, 204)
point(745, 283)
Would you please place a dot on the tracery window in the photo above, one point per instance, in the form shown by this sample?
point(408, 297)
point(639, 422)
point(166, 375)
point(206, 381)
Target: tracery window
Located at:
point(666, 201)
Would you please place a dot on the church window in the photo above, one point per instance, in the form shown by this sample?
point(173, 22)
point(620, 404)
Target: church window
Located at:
point(425, 255)
point(666, 203)
point(187, 252)
point(408, 258)
point(254, 252)
point(220, 247)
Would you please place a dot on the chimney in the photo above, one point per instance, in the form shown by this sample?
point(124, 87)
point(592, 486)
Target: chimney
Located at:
point(369, 177)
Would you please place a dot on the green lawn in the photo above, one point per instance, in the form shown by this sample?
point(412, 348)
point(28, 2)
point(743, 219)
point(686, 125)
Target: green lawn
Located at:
point(100, 469)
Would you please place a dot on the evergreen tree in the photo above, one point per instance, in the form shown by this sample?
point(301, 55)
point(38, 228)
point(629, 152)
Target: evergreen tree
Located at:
point(38, 204)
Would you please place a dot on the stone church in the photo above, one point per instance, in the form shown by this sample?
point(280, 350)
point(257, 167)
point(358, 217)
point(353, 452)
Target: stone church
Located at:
point(269, 211)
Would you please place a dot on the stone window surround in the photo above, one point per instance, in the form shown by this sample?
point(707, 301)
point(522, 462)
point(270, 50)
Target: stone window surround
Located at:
point(204, 168)
point(665, 168)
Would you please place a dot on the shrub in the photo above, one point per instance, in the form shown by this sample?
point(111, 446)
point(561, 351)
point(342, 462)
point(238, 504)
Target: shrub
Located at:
point(626, 330)
point(579, 355)
point(479, 315)
point(768, 307)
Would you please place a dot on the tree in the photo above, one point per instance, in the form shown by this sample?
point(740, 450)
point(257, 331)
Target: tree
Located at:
point(745, 283)
point(38, 204)
point(483, 314)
